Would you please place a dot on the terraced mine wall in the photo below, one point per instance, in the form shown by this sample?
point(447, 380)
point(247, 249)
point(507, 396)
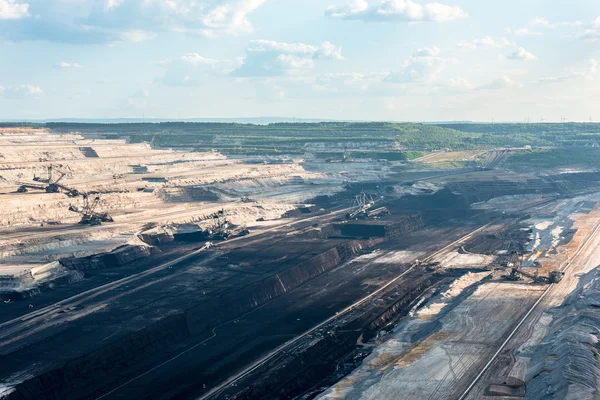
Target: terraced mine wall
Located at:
point(570, 183)
point(312, 365)
point(187, 194)
point(116, 362)
point(138, 351)
point(156, 238)
point(324, 359)
point(123, 357)
point(86, 376)
point(383, 229)
point(235, 303)
point(420, 283)
point(566, 364)
point(121, 256)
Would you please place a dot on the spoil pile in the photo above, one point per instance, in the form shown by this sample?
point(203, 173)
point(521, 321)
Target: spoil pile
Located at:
point(566, 364)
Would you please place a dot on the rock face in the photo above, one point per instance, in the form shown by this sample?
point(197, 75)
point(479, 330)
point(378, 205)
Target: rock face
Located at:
point(566, 365)
point(252, 296)
point(76, 378)
point(121, 256)
point(399, 226)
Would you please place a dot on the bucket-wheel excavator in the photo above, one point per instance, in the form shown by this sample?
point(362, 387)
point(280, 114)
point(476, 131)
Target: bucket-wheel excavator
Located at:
point(89, 215)
point(515, 262)
point(51, 183)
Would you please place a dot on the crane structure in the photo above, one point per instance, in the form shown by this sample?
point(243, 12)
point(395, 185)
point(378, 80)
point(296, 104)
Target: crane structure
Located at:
point(25, 187)
point(55, 175)
point(222, 229)
point(89, 215)
point(220, 222)
point(515, 262)
point(50, 183)
point(362, 204)
point(220, 226)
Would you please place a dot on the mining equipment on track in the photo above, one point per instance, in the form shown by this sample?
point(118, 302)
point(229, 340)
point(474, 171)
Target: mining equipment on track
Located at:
point(515, 262)
point(50, 183)
point(89, 215)
point(222, 229)
point(25, 187)
point(363, 204)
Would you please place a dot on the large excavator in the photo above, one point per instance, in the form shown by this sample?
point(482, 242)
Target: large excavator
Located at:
point(25, 187)
point(51, 183)
point(363, 205)
point(89, 215)
point(516, 274)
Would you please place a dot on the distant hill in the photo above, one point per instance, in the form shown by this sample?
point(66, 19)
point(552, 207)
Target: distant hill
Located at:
point(249, 120)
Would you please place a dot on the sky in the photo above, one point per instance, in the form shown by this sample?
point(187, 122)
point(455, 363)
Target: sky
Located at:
point(388, 60)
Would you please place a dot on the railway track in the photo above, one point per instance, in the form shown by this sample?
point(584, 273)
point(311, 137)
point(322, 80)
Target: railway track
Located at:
point(528, 315)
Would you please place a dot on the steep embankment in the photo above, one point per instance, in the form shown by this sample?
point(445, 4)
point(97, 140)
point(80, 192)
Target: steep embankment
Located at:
point(566, 364)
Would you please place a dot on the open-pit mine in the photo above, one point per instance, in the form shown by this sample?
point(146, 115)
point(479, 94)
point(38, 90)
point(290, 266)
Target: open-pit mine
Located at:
point(295, 261)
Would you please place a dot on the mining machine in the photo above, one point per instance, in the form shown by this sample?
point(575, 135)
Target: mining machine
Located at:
point(24, 188)
point(362, 204)
point(51, 183)
point(222, 229)
point(89, 215)
point(515, 262)
point(220, 226)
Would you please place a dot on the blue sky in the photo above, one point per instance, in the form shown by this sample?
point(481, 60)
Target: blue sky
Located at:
point(403, 60)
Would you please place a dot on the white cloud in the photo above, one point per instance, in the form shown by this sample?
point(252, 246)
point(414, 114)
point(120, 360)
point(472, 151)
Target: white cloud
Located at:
point(502, 82)
point(592, 32)
point(544, 23)
point(325, 51)
point(592, 67)
point(328, 51)
point(136, 36)
point(109, 21)
point(67, 65)
point(524, 32)
point(498, 43)
point(197, 60)
point(110, 4)
point(21, 91)
point(587, 73)
point(11, 9)
point(293, 62)
point(460, 84)
point(191, 68)
point(346, 82)
point(137, 101)
point(261, 46)
point(270, 58)
point(423, 66)
point(229, 17)
point(396, 11)
point(427, 52)
point(487, 41)
point(521, 55)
